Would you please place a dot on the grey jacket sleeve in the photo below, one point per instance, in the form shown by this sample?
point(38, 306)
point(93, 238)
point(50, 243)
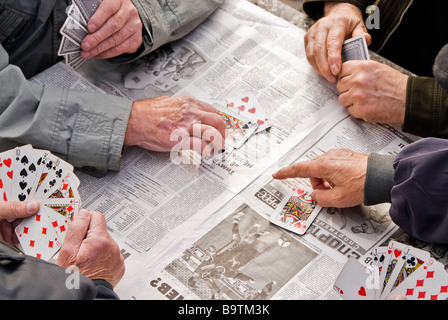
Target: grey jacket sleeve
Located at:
point(167, 21)
point(86, 129)
point(24, 277)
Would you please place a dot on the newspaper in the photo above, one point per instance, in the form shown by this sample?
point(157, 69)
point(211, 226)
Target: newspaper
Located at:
point(198, 229)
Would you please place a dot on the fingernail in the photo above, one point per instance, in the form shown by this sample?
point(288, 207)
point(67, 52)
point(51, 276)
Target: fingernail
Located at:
point(32, 206)
point(331, 79)
point(91, 27)
point(334, 69)
point(83, 213)
point(86, 45)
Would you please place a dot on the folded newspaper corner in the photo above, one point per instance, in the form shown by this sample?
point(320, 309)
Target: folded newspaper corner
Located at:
point(75, 29)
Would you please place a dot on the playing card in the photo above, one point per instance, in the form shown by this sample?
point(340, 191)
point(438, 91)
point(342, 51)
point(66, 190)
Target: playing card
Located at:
point(296, 212)
point(6, 174)
point(248, 106)
point(68, 47)
point(87, 8)
point(53, 172)
point(428, 282)
point(354, 282)
point(73, 30)
point(239, 128)
point(379, 256)
point(26, 168)
point(62, 213)
point(394, 260)
point(355, 49)
point(37, 236)
point(75, 13)
point(67, 189)
point(412, 258)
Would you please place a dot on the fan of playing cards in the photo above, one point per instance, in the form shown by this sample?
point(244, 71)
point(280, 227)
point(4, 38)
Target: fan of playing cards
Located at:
point(27, 173)
point(397, 269)
point(75, 29)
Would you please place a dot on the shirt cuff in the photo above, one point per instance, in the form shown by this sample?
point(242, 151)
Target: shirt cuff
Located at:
point(379, 179)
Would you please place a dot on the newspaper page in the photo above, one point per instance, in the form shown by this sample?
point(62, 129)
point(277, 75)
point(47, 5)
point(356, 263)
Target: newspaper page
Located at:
point(199, 228)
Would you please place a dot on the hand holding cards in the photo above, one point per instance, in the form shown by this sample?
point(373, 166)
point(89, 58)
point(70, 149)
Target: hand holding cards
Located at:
point(396, 270)
point(31, 174)
point(75, 29)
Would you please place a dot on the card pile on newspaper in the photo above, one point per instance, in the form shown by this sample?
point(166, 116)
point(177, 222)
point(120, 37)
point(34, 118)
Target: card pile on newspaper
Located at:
point(244, 116)
point(27, 173)
point(75, 29)
point(396, 270)
point(296, 212)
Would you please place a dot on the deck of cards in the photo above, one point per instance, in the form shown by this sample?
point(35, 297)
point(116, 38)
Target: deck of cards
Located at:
point(75, 29)
point(355, 49)
point(296, 212)
point(27, 173)
point(396, 270)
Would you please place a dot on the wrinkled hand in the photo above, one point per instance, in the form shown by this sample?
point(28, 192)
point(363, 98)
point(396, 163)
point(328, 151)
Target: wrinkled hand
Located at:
point(324, 40)
point(337, 177)
point(373, 91)
point(89, 247)
point(15, 211)
point(161, 123)
point(114, 29)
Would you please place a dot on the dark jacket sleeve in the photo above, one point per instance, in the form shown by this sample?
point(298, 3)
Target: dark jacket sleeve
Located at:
point(419, 196)
point(426, 112)
point(24, 277)
point(379, 179)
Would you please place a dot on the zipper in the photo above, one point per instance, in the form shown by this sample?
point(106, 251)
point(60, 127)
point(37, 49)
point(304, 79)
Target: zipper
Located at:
point(396, 25)
point(11, 246)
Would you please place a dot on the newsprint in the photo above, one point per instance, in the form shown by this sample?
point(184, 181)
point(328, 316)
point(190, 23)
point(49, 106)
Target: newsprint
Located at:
point(199, 229)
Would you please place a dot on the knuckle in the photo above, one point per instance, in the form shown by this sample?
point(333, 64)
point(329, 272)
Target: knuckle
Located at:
point(318, 48)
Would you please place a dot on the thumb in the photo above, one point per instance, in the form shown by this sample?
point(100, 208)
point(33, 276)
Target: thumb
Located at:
point(12, 210)
point(76, 234)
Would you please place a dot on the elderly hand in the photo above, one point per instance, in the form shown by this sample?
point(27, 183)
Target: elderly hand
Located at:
point(324, 40)
point(160, 124)
point(89, 247)
point(337, 177)
point(114, 29)
point(14, 210)
point(373, 91)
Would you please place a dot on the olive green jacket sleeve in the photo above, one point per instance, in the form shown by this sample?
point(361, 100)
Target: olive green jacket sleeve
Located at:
point(426, 108)
point(86, 129)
